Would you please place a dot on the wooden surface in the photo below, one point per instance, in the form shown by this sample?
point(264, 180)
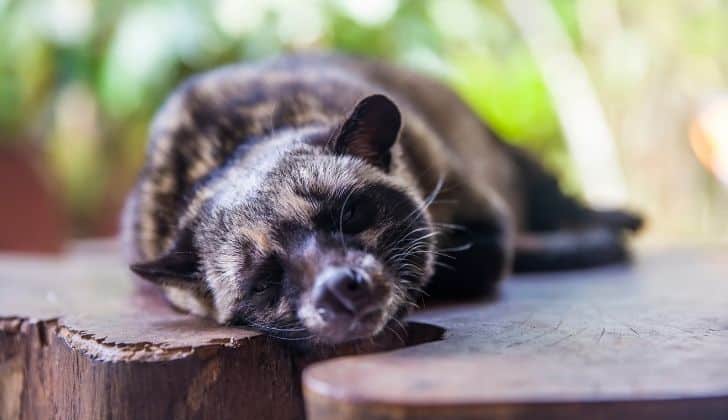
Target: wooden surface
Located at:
point(648, 341)
point(77, 340)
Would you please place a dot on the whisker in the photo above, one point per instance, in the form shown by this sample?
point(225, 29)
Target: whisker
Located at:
point(292, 338)
point(398, 322)
point(464, 247)
point(341, 216)
point(393, 331)
point(430, 197)
point(269, 328)
point(450, 226)
point(443, 265)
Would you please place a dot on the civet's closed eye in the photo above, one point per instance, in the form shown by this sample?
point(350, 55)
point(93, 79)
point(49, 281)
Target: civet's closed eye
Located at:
point(269, 276)
point(261, 287)
point(358, 215)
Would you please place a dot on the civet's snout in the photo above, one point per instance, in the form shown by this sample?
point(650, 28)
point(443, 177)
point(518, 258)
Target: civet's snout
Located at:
point(343, 292)
point(348, 303)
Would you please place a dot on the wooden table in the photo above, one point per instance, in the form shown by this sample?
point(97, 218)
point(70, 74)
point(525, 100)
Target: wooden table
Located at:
point(78, 340)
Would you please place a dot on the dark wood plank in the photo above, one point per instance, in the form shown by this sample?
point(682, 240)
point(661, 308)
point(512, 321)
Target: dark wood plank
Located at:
point(647, 341)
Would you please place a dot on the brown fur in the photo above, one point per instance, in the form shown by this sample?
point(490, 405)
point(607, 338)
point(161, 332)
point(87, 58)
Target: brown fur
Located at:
point(237, 152)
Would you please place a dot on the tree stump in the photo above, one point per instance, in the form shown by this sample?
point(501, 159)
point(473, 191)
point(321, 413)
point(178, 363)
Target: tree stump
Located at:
point(649, 341)
point(79, 340)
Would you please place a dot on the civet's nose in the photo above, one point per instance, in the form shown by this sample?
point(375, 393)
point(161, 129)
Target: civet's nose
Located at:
point(344, 291)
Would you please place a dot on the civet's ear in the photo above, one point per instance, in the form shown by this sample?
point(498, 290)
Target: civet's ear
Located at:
point(177, 267)
point(370, 131)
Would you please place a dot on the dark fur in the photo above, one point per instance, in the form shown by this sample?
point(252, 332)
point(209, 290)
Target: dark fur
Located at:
point(249, 165)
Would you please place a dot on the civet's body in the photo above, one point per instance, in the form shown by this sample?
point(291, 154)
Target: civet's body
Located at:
point(313, 197)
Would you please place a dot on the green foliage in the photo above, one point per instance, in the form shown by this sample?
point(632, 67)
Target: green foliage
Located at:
point(83, 78)
point(510, 94)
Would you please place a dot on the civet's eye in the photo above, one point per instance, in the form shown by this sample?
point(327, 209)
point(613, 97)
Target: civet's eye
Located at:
point(261, 287)
point(269, 276)
point(358, 215)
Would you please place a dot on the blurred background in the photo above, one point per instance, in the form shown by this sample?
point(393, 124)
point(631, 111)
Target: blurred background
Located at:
point(625, 100)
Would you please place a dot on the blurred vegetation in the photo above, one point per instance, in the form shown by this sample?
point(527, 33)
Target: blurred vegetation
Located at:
point(80, 79)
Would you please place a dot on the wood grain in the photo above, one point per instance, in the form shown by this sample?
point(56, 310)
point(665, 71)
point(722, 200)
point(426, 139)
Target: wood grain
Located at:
point(79, 340)
point(647, 341)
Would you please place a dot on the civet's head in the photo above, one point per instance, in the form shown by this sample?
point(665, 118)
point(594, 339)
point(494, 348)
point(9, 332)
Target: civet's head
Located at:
point(319, 242)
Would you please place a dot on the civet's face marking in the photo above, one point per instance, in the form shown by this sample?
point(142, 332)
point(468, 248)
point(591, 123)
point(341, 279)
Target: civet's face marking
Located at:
point(318, 243)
